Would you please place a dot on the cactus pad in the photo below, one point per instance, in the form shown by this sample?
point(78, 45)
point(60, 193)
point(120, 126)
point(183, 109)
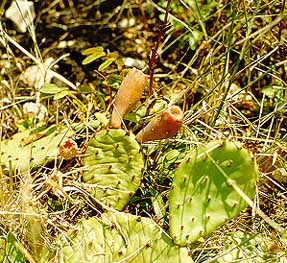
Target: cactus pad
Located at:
point(202, 196)
point(119, 237)
point(28, 149)
point(113, 165)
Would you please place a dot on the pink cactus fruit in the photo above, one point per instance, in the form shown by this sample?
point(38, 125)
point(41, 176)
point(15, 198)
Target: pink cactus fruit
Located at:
point(164, 125)
point(128, 96)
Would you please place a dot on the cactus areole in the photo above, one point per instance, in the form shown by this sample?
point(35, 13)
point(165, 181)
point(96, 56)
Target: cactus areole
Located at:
point(203, 195)
point(164, 125)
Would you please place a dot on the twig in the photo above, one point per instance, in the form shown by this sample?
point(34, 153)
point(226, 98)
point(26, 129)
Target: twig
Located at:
point(153, 57)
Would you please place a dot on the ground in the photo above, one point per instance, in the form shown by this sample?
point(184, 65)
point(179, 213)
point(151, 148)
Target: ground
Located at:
point(223, 63)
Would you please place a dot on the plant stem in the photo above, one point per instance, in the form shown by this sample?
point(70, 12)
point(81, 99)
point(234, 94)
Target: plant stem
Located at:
point(153, 57)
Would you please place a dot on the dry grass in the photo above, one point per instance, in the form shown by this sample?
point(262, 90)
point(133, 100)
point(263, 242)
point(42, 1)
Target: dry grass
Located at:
point(223, 63)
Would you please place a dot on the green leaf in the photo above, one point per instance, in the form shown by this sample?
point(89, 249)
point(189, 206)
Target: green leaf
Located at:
point(114, 79)
point(158, 106)
point(120, 64)
point(132, 117)
point(158, 206)
point(106, 63)
point(62, 94)
point(13, 253)
point(92, 50)
point(195, 38)
point(52, 89)
point(56, 205)
point(27, 150)
point(84, 89)
point(93, 57)
point(102, 118)
point(113, 166)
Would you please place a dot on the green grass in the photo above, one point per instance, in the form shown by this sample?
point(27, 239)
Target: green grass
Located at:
point(224, 63)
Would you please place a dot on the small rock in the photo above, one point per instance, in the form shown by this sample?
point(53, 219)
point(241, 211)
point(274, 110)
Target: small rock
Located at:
point(133, 63)
point(34, 77)
point(22, 13)
point(37, 110)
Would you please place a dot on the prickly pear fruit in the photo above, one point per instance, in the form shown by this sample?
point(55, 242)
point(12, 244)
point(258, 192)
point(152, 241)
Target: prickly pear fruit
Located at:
point(128, 96)
point(113, 165)
point(119, 237)
point(202, 195)
point(68, 149)
point(164, 125)
point(27, 150)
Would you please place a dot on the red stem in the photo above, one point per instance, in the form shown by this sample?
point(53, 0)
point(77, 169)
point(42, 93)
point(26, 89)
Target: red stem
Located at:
point(152, 61)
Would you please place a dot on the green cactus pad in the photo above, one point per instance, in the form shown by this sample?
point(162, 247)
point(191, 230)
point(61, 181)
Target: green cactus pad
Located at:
point(29, 149)
point(119, 237)
point(113, 165)
point(202, 196)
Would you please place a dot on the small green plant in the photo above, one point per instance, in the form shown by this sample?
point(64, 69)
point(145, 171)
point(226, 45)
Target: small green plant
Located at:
point(95, 53)
point(203, 196)
point(204, 192)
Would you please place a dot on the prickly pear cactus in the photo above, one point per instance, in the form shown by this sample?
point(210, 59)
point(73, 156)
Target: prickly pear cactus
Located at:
point(202, 197)
point(113, 165)
point(118, 237)
point(27, 150)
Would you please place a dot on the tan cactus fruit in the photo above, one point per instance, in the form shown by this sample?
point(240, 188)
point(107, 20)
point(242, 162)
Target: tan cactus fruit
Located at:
point(128, 96)
point(68, 149)
point(164, 125)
